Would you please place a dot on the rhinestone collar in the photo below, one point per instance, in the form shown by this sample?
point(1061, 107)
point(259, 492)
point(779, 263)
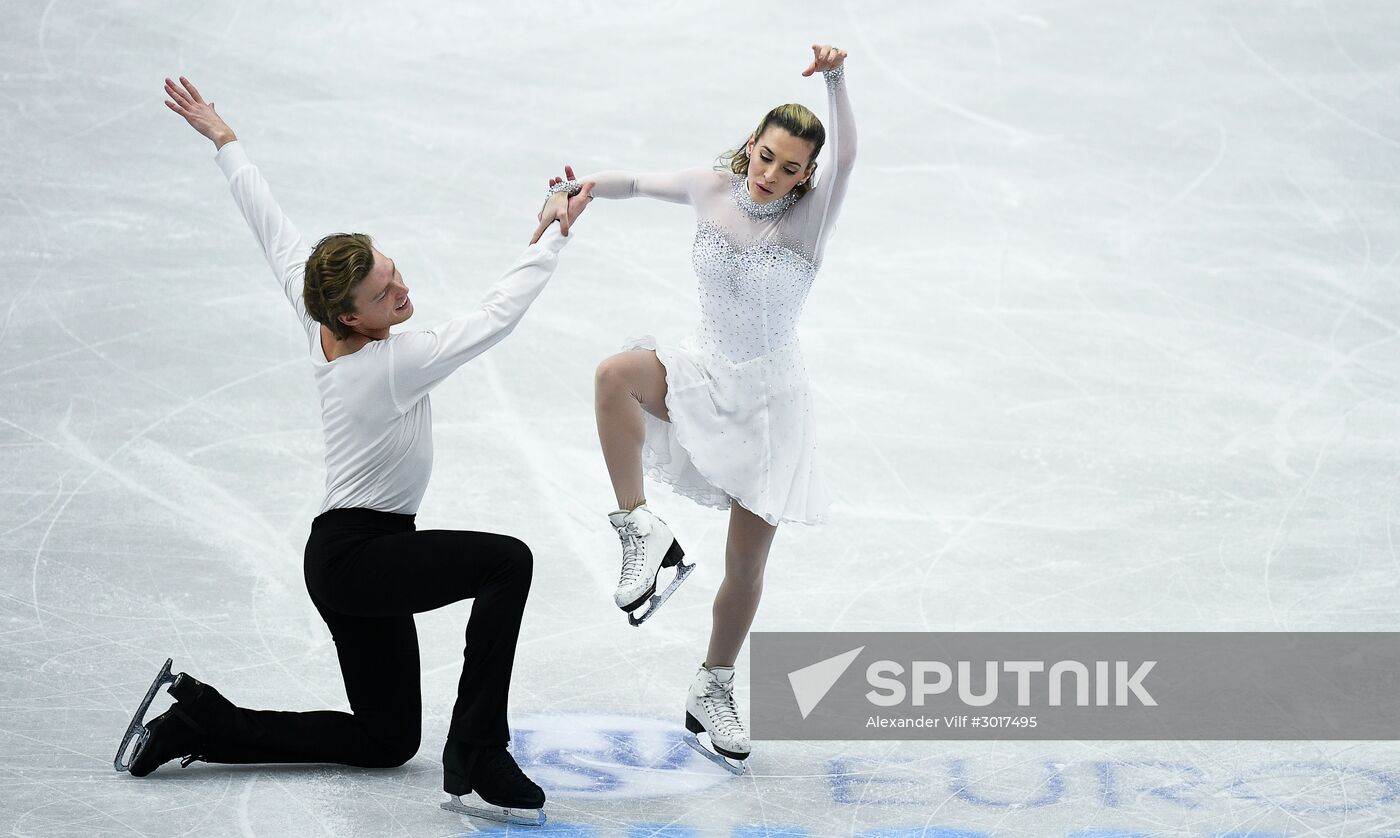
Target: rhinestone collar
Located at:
point(753, 209)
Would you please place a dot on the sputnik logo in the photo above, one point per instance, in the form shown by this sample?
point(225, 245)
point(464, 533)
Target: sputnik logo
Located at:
point(810, 684)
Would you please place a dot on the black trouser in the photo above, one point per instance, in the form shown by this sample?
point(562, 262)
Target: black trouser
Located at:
point(368, 573)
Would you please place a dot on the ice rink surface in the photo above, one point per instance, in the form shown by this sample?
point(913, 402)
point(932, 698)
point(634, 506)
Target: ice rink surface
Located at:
point(1105, 339)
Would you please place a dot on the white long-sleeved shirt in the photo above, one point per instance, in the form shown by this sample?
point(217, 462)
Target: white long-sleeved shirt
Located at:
point(375, 410)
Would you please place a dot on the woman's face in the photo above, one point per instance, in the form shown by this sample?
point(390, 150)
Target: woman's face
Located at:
point(381, 298)
point(778, 161)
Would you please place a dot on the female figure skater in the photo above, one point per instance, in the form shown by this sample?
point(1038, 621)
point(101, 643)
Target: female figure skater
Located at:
point(368, 569)
point(723, 416)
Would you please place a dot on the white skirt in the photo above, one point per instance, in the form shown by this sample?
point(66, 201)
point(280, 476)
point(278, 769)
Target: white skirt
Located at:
point(742, 431)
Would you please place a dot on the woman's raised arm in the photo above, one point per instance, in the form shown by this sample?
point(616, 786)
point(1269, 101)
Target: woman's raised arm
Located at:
point(818, 209)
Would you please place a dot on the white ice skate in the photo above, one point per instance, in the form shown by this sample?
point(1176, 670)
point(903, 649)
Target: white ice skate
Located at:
point(710, 708)
point(647, 546)
point(137, 729)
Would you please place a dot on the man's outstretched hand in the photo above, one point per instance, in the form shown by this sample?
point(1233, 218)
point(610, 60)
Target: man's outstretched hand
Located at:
point(186, 101)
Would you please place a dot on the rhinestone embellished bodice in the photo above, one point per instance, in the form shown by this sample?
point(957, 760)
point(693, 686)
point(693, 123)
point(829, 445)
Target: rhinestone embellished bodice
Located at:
point(755, 262)
point(751, 295)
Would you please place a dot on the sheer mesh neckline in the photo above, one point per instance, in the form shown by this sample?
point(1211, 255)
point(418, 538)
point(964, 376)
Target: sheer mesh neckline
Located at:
point(738, 185)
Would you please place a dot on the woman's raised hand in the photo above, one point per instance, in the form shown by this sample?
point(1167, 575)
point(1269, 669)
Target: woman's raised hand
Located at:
point(199, 114)
point(824, 57)
point(563, 207)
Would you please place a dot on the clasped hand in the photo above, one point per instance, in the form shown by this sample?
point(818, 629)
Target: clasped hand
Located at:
point(563, 207)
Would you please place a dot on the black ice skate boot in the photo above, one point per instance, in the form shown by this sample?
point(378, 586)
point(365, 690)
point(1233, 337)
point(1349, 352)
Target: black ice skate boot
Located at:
point(181, 731)
point(492, 773)
point(200, 720)
point(171, 734)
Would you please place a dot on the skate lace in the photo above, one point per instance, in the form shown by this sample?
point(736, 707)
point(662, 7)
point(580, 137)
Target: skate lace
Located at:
point(719, 706)
point(632, 558)
point(501, 764)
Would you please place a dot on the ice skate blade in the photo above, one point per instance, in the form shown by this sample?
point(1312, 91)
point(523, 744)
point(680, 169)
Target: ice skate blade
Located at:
point(718, 759)
point(500, 814)
point(657, 600)
point(137, 729)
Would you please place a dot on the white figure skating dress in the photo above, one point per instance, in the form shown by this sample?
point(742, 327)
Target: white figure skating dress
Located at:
point(741, 422)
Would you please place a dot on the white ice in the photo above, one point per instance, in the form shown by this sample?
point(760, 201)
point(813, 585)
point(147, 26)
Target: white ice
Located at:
point(1106, 339)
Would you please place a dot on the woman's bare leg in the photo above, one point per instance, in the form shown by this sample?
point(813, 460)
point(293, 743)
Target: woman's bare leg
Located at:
point(626, 384)
point(745, 555)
